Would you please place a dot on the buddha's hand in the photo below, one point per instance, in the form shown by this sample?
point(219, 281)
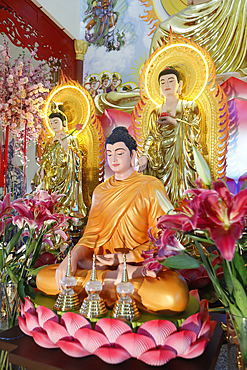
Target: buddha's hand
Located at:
point(112, 259)
point(142, 163)
point(167, 119)
point(151, 273)
point(61, 270)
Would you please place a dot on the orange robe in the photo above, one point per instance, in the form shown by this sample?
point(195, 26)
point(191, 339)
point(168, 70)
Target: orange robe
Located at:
point(121, 214)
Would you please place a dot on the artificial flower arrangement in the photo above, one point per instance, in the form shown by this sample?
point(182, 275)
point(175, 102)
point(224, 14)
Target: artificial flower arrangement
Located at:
point(208, 216)
point(23, 89)
point(37, 221)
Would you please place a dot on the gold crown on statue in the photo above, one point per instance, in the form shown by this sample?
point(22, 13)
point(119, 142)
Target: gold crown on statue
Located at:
point(58, 107)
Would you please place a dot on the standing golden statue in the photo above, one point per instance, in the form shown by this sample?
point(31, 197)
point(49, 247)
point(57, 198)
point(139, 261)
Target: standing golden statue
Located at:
point(173, 126)
point(181, 106)
point(71, 148)
point(61, 169)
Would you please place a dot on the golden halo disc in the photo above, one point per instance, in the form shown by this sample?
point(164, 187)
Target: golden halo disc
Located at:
point(76, 107)
point(188, 60)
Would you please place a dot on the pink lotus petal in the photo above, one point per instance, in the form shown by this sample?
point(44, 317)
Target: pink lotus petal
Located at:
point(112, 328)
point(72, 348)
point(23, 326)
point(157, 357)
point(91, 339)
point(196, 349)
point(135, 344)
point(73, 321)
point(204, 309)
point(193, 323)
point(207, 328)
point(112, 355)
point(42, 340)
point(45, 314)
point(158, 330)
point(28, 306)
point(31, 321)
point(180, 341)
point(195, 294)
point(55, 331)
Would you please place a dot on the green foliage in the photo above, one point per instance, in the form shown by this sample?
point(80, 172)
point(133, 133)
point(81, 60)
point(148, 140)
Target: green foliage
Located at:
point(181, 261)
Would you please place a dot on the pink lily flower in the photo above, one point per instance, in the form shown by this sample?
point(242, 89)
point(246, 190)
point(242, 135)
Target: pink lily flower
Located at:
point(47, 200)
point(31, 214)
point(223, 215)
point(6, 206)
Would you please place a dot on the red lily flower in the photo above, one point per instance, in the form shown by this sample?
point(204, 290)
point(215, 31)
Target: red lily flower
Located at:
point(224, 216)
point(217, 210)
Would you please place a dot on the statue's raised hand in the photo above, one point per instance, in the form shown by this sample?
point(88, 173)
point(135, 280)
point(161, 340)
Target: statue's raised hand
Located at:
point(166, 119)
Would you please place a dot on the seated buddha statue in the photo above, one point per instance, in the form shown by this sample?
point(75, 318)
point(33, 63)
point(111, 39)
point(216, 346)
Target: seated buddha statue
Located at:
point(173, 129)
point(61, 169)
point(123, 209)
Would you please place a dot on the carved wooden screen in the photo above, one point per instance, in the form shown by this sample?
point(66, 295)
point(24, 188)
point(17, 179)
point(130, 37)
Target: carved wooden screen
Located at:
point(27, 26)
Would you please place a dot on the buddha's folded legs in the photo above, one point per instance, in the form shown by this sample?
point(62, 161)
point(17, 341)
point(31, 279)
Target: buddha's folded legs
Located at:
point(167, 293)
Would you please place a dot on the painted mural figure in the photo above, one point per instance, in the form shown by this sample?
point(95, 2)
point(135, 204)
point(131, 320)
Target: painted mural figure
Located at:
point(93, 86)
point(116, 81)
point(102, 21)
point(105, 84)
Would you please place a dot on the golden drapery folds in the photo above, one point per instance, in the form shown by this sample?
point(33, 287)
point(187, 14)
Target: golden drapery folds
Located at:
point(169, 149)
point(218, 25)
point(63, 174)
point(75, 171)
point(201, 115)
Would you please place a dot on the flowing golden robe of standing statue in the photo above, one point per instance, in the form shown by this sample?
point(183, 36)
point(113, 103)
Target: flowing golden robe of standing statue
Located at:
point(218, 25)
point(169, 149)
point(121, 214)
point(63, 174)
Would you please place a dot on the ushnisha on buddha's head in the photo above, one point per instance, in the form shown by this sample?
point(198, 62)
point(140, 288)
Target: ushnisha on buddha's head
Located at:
point(170, 82)
point(121, 152)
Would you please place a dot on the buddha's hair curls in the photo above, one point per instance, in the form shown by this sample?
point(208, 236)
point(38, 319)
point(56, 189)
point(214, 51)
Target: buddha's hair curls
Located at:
point(121, 134)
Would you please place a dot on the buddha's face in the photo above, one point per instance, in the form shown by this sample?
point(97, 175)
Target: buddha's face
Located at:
point(169, 85)
point(119, 158)
point(56, 124)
